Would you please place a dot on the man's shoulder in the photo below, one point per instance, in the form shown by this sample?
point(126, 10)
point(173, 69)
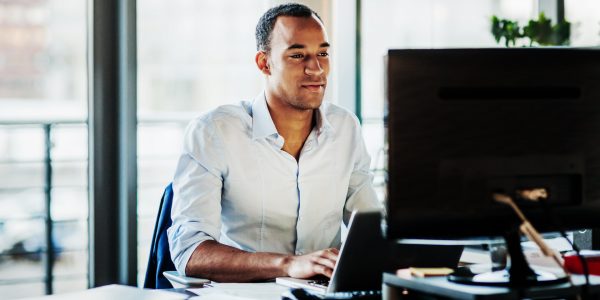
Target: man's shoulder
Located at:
point(224, 114)
point(336, 113)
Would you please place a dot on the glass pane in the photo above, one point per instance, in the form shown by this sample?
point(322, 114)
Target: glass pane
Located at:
point(69, 204)
point(584, 16)
point(70, 173)
point(426, 24)
point(149, 200)
point(70, 142)
point(43, 81)
point(161, 140)
point(22, 245)
point(145, 230)
point(21, 175)
point(22, 237)
point(157, 173)
point(70, 235)
point(21, 204)
point(23, 143)
point(373, 133)
point(71, 265)
point(71, 283)
point(21, 268)
point(22, 290)
point(43, 59)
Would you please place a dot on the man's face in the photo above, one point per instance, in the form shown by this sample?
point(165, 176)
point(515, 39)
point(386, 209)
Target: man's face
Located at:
point(298, 63)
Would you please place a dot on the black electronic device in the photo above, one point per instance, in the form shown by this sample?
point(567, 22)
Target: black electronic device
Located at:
point(360, 262)
point(302, 294)
point(462, 124)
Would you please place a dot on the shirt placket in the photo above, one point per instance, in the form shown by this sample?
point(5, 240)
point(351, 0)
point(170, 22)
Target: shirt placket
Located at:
point(292, 168)
point(300, 223)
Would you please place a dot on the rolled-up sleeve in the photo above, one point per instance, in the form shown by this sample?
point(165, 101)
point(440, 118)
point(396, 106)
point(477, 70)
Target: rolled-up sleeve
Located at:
point(361, 194)
point(196, 211)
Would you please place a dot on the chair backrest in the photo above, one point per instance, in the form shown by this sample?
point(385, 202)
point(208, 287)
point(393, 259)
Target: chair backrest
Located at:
point(159, 259)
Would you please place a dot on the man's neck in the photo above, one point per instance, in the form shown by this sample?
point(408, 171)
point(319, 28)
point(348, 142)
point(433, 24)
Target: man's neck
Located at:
point(293, 124)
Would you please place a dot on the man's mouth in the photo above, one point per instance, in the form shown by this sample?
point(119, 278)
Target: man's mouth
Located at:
point(314, 86)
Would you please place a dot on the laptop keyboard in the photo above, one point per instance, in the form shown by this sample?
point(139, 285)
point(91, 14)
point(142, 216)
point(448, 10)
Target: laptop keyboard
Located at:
point(363, 295)
point(302, 294)
point(324, 283)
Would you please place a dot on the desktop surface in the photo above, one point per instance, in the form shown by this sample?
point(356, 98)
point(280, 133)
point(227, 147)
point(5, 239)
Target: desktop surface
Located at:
point(394, 284)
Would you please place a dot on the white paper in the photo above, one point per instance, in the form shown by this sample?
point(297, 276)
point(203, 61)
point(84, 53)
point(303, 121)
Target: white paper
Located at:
point(240, 291)
point(121, 292)
point(558, 244)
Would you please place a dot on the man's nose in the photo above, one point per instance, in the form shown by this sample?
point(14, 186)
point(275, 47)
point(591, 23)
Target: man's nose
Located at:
point(313, 67)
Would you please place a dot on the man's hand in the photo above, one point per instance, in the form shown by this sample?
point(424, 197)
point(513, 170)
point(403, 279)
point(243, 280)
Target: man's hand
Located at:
point(311, 264)
point(215, 261)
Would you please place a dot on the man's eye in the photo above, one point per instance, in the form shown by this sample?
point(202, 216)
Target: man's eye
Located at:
point(324, 54)
point(297, 56)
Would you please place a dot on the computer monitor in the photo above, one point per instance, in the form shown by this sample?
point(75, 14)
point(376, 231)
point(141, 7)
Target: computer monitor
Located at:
point(462, 124)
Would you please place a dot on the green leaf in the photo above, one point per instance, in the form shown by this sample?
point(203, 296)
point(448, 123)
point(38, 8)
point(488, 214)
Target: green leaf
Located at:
point(540, 31)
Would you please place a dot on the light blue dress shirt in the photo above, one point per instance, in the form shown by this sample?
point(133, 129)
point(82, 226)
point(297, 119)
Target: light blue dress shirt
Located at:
point(235, 185)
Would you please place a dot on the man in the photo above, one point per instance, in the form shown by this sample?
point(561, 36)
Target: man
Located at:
point(262, 187)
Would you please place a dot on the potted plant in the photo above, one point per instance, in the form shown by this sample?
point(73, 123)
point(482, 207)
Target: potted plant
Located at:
point(540, 32)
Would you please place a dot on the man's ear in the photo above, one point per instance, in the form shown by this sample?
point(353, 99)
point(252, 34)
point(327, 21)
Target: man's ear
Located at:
point(262, 62)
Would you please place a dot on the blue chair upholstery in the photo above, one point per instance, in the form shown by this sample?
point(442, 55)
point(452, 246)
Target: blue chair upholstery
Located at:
point(160, 258)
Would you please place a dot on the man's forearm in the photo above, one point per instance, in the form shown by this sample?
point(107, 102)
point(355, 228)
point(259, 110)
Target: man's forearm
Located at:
point(223, 263)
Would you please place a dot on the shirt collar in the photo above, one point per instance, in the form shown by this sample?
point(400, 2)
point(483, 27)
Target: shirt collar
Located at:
point(323, 124)
point(262, 123)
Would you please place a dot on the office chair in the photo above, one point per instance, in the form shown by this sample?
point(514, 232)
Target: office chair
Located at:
point(159, 259)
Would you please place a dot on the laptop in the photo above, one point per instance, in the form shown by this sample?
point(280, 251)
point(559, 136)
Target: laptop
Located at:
point(360, 261)
point(365, 255)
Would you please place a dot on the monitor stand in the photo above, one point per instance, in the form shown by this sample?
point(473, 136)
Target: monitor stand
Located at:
point(518, 274)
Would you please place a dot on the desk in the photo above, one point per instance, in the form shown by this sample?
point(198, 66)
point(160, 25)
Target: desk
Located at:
point(115, 291)
point(223, 291)
point(438, 287)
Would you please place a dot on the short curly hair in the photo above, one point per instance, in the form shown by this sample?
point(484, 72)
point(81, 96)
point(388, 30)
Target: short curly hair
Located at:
point(267, 22)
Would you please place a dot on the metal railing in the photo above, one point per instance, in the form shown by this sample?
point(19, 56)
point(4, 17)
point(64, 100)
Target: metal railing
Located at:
point(50, 252)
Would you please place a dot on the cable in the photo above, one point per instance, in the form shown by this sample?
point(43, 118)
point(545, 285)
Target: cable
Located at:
point(556, 222)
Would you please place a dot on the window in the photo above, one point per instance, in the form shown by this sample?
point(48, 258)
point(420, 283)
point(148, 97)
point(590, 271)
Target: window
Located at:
point(448, 24)
point(43, 95)
point(425, 24)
